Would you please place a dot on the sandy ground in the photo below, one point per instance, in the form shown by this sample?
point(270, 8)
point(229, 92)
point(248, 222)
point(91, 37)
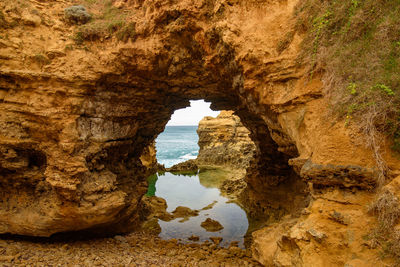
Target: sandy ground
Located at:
point(135, 249)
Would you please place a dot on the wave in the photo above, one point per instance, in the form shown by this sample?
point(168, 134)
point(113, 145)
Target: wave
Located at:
point(189, 156)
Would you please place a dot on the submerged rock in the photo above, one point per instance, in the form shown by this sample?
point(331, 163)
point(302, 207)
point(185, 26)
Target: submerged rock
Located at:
point(211, 225)
point(216, 239)
point(210, 206)
point(183, 212)
point(156, 207)
point(194, 238)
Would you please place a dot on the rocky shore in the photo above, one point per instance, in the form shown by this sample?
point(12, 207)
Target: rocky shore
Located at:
point(135, 249)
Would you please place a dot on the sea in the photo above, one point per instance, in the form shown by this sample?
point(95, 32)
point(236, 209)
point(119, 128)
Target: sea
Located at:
point(198, 191)
point(177, 144)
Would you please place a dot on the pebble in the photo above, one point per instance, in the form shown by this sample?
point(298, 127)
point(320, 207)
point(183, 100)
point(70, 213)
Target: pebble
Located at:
point(135, 249)
point(216, 239)
point(194, 238)
point(120, 238)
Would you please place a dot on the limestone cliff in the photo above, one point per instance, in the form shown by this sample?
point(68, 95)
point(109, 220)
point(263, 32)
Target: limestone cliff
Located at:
point(224, 141)
point(80, 103)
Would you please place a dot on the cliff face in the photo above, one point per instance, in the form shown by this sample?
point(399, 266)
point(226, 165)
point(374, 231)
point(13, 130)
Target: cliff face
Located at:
point(224, 141)
point(78, 108)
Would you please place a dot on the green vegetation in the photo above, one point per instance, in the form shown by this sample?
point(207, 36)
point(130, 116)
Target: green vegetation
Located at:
point(107, 21)
point(355, 44)
point(151, 190)
point(69, 47)
point(41, 59)
point(387, 209)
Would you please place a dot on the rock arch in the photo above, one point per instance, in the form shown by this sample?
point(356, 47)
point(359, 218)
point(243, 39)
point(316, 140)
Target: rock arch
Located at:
point(72, 134)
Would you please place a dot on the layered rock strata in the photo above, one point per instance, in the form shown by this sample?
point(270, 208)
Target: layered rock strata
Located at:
point(224, 141)
point(75, 117)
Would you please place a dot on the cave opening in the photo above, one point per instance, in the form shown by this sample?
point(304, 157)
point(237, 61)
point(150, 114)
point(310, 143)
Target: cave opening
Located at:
point(179, 140)
point(239, 182)
point(194, 195)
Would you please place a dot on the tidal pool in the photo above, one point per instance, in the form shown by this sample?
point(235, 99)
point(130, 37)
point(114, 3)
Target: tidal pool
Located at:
point(197, 192)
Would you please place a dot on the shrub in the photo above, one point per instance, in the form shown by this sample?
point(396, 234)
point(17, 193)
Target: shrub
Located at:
point(41, 59)
point(108, 21)
point(354, 44)
point(77, 15)
point(386, 208)
point(127, 32)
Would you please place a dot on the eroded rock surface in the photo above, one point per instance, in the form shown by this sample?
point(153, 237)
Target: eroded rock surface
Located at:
point(156, 207)
point(224, 142)
point(211, 225)
point(135, 249)
point(75, 118)
point(335, 223)
point(189, 166)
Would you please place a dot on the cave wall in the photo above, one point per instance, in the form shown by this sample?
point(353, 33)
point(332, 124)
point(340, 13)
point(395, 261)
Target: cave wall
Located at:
point(73, 130)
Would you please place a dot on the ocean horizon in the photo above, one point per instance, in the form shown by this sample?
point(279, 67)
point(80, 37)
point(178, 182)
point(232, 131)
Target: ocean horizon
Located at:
point(177, 143)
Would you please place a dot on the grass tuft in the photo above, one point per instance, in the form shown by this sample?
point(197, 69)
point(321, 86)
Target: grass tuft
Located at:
point(106, 22)
point(386, 208)
point(355, 43)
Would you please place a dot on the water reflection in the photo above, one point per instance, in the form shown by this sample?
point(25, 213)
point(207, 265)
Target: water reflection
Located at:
point(199, 192)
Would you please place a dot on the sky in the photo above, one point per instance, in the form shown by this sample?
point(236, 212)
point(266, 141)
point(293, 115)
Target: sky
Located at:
point(192, 115)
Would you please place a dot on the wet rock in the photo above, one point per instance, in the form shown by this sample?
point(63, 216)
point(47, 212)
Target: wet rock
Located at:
point(234, 244)
point(210, 206)
point(151, 226)
point(156, 207)
point(184, 212)
point(235, 251)
point(77, 15)
point(216, 239)
point(233, 187)
point(161, 167)
point(213, 247)
point(187, 167)
point(194, 238)
point(211, 225)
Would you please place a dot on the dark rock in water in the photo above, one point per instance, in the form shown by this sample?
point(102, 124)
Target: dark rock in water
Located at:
point(161, 167)
point(156, 207)
point(211, 225)
point(216, 240)
point(194, 238)
point(183, 212)
point(189, 167)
